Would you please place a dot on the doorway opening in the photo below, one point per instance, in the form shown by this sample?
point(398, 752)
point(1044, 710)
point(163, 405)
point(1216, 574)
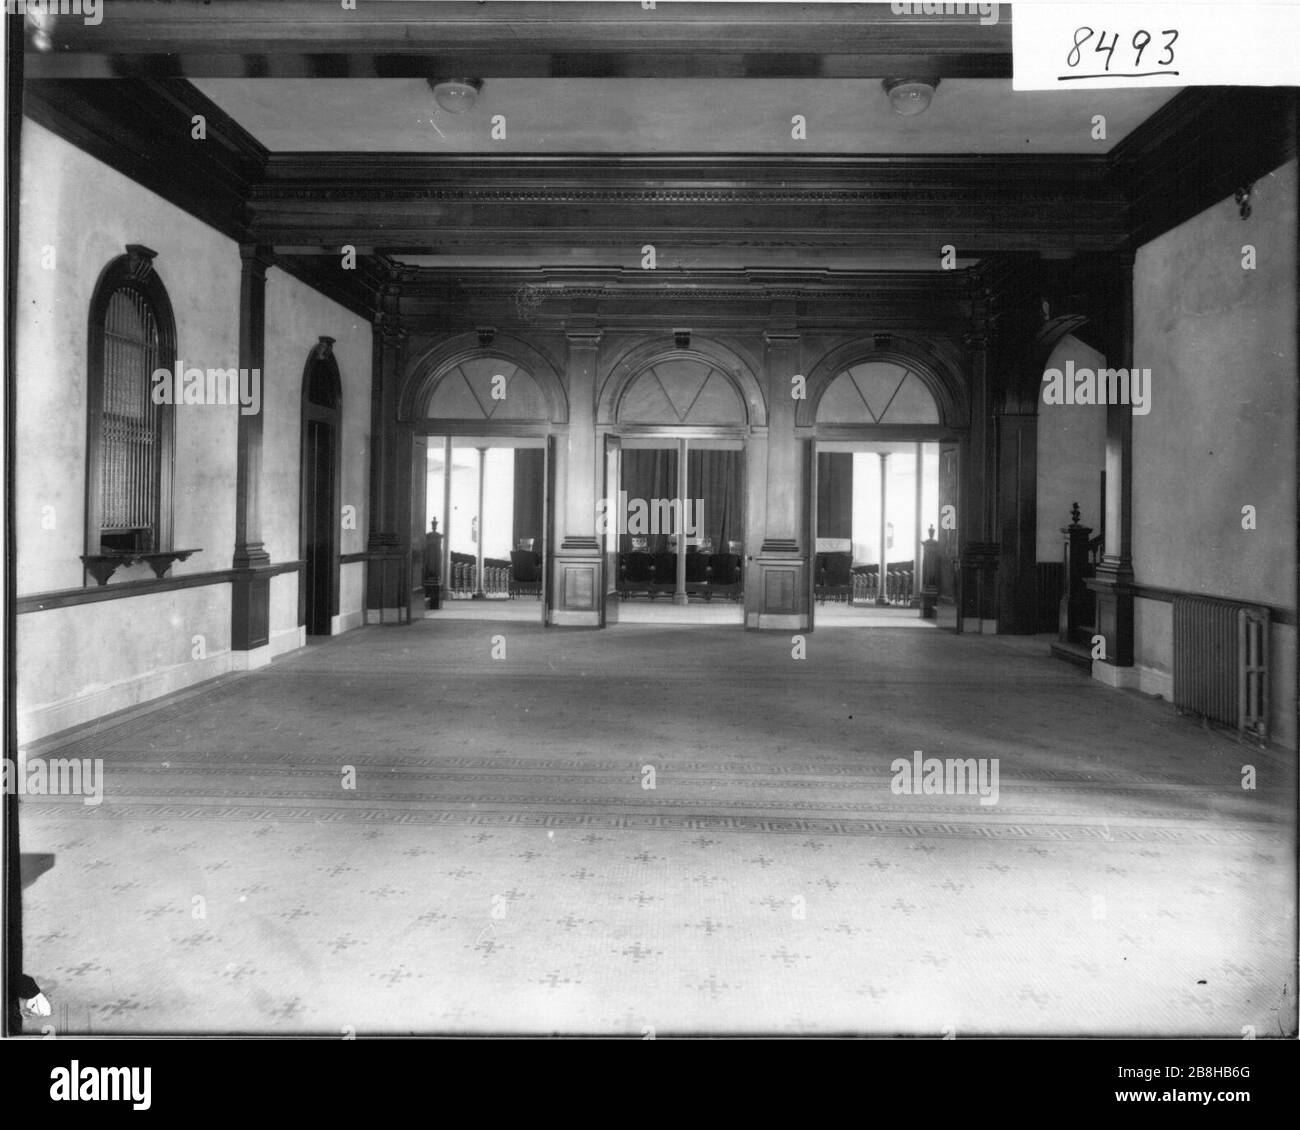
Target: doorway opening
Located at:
point(674, 528)
point(877, 513)
point(485, 528)
point(318, 592)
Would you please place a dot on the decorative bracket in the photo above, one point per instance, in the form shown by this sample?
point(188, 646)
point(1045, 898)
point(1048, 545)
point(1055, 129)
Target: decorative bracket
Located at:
point(101, 566)
point(141, 259)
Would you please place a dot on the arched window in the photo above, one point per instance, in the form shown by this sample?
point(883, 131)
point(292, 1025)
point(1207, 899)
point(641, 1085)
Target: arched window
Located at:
point(877, 392)
point(679, 388)
point(129, 449)
point(487, 388)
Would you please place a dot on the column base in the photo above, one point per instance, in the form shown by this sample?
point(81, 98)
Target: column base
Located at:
point(1121, 678)
point(776, 588)
point(251, 659)
point(577, 580)
point(386, 588)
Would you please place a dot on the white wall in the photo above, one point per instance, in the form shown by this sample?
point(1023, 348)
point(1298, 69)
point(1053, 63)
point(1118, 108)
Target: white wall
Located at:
point(1221, 433)
point(296, 318)
point(1071, 456)
point(88, 214)
point(80, 662)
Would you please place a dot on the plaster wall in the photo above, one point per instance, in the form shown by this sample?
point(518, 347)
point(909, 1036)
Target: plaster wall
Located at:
point(1220, 341)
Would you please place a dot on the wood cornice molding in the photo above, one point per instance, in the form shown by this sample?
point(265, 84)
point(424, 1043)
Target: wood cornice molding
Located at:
point(745, 284)
point(356, 290)
point(675, 178)
point(143, 129)
point(391, 202)
point(507, 38)
point(1197, 150)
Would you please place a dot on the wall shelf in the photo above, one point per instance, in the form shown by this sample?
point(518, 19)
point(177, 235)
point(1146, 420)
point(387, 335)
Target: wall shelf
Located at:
point(101, 566)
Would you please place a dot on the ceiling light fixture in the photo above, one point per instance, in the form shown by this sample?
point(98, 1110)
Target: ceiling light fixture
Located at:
point(456, 95)
point(910, 96)
point(41, 21)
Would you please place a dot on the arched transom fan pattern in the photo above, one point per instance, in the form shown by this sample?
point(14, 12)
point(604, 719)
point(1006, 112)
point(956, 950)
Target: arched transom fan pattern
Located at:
point(487, 388)
point(877, 392)
point(681, 390)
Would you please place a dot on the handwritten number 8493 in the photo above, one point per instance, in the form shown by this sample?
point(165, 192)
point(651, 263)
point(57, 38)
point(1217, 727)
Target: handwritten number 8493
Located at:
point(1140, 42)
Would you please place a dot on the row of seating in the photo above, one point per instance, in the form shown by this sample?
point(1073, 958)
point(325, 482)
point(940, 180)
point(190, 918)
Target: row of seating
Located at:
point(652, 574)
point(835, 577)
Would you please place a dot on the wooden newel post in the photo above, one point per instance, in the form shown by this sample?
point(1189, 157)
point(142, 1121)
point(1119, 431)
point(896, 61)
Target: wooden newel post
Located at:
point(433, 566)
point(1075, 604)
point(929, 576)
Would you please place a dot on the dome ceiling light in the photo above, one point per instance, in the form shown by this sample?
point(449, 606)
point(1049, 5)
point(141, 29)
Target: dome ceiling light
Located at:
point(456, 95)
point(910, 96)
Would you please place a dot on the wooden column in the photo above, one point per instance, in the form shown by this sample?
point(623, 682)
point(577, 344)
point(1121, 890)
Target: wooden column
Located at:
point(577, 576)
point(776, 587)
point(1017, 485)
point(979, 552)
point(386, 596)
point(250, 597)
point(1114, 578)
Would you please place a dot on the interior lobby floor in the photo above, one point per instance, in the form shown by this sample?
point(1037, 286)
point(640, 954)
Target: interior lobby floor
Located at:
point(504, 865)
point(523, 610)
point(837, 614)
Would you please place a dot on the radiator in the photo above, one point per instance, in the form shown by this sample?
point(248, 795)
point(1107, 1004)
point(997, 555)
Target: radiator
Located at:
point(1221, 663)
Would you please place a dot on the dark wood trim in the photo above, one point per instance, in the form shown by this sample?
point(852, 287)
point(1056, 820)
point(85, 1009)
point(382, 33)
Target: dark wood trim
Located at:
point(523, 429)
point(11, 953)
point(142, 128)
point(448, 204)
point(1198, 149)
point(354, 290)
point(354, 558)
point(1137, 589)
point(67, 598)
point(379, 39)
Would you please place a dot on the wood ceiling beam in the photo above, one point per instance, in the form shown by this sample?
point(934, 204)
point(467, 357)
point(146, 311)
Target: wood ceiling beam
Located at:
point(395, 202)
point(391, 39)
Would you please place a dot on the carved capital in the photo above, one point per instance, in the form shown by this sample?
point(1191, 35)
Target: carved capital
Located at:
point(390, 329)
point(256, 257)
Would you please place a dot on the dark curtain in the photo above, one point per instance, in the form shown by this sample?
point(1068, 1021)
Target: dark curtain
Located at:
point(834, 494)
point(649, 475)
point(714, 477)
point(530, 464)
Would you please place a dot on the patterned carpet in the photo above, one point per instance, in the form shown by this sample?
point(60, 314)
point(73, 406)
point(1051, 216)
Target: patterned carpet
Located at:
point(500, 865)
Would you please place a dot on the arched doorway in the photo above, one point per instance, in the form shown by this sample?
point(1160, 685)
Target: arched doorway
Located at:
point(481, 416)
point(883, 482)
point(322, 396)
point(675, 519)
